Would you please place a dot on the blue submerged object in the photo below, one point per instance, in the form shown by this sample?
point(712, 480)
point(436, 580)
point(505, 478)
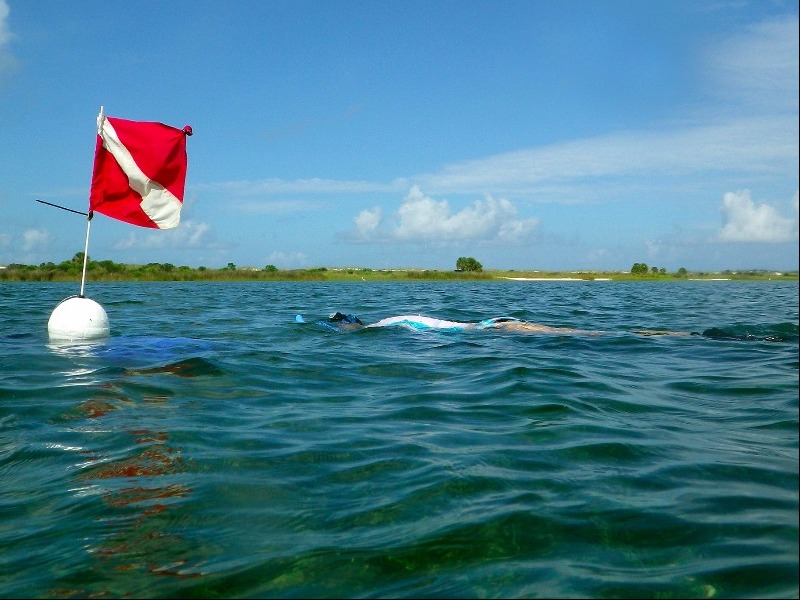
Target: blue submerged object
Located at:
point(334, 322)
point(133, 349)
point(338, 317)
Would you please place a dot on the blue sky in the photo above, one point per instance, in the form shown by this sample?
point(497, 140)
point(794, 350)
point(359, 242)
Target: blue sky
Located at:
point(532, 134)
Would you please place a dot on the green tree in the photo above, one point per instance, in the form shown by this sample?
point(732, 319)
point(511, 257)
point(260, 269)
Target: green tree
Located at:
point(639, 269)
point(682, 272)
point(465, 263)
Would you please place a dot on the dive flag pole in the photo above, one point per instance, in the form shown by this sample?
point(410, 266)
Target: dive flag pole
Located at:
point(86, 251)
point(79, 318)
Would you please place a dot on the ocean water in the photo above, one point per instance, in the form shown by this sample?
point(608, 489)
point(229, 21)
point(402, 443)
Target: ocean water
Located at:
point(212, 447)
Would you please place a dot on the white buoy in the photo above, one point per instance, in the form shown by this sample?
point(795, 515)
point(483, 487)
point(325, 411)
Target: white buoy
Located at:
point(78, 318)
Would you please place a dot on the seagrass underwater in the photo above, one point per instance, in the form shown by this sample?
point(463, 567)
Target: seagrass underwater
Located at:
point(213, 446)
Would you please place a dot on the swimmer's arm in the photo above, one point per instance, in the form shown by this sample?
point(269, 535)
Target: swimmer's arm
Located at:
point(527, 327)
point(652, 332)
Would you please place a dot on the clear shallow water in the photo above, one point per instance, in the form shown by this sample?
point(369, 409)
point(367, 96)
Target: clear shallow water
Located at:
point(212, 447)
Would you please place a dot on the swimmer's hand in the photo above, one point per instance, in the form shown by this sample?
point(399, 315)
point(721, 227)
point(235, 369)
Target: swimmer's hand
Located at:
point(651, 332)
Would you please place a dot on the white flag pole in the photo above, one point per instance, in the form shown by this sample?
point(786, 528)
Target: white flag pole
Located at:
point(100, 118)
point(78, 318)
point(86, 252)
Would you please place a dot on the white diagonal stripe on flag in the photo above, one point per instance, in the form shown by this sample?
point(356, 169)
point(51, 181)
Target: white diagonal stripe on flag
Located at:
point(158, 203)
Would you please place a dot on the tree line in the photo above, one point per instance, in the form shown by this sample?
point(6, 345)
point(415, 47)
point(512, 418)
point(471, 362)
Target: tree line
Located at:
point(643, 269)
point(108, 270)
point(467, 268)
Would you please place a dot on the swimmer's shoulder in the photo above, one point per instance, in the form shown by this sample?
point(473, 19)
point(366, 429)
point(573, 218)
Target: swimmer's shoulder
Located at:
point(496, 322)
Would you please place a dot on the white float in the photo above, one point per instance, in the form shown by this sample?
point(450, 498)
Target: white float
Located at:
point(76, 319)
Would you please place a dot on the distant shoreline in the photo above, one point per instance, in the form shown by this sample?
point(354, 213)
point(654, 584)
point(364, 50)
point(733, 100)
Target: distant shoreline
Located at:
point(107, 271)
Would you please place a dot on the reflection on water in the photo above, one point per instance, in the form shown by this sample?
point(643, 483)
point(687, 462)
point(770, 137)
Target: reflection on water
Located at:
point(141, 349)
point(191, 367)
point(139, 482)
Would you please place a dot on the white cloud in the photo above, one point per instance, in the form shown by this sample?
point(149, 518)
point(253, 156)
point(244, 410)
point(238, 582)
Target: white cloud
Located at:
point(746, 145)
point(190, 234)
point(755, 71)
point(35, 239)
point(367, 221)
point(287, 260)
point(5, 34)
point(759, 66)
point(194, 234)
point(597, 254)
point(7, 60)
point(421, 218)
point(654, 248)
point(746, 221)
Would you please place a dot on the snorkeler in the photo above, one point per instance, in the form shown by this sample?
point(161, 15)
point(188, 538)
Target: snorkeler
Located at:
point(341, 321)
point(419, 322)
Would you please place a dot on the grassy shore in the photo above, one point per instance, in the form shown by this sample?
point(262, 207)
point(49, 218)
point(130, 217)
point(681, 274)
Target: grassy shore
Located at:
point(109, 271)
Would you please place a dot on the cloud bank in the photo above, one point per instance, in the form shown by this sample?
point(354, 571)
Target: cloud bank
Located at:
point(190, 234)
point(746, 221)
point(420, 218)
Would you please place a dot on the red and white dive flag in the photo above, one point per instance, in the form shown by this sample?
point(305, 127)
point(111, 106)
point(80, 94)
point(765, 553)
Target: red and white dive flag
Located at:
point(139, 172)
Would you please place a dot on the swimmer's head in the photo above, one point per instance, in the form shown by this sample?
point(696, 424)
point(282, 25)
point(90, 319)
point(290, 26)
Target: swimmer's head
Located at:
point(338, 317)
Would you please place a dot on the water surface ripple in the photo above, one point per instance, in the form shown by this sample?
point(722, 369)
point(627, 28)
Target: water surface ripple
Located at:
point(212, 447)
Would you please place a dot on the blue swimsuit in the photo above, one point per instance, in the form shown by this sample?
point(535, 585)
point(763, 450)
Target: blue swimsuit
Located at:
point(415, 322)
point(419, 322)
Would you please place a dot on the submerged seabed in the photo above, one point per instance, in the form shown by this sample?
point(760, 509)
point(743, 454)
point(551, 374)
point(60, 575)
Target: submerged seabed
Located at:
point(213, 447)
